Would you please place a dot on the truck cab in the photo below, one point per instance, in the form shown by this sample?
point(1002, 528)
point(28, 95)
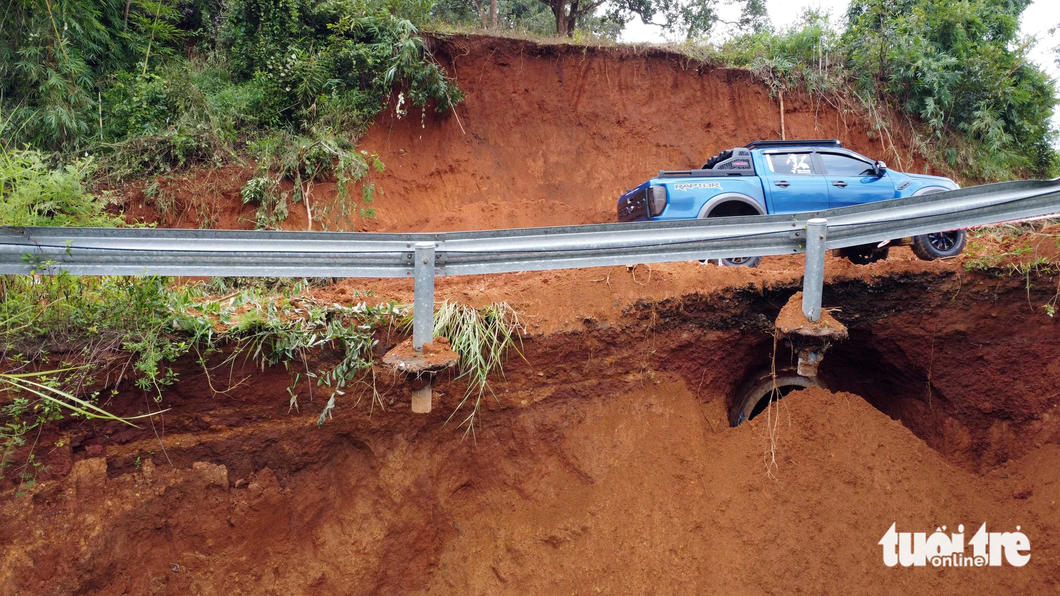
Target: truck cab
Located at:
point(774, 177)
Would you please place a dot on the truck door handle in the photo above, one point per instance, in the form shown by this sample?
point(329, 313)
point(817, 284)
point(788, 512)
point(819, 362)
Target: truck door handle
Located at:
point(782, 183)
point(840, 184)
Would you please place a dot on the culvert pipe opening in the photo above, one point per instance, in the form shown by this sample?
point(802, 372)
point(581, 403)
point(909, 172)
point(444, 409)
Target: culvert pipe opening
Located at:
point(763, 389)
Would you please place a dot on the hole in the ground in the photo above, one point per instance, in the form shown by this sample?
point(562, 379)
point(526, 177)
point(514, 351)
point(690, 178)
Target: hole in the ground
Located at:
point(896, 388)
point(760, 386)
point(774, 395)
point(891, 383)
point(763, 388)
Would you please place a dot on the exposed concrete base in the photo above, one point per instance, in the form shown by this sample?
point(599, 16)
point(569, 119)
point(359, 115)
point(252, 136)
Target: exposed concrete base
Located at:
point(809, 340)
point(419, 368)
point(421, 399)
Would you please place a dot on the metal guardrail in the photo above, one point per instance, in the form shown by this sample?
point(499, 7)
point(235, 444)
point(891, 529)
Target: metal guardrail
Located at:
point(142, 251)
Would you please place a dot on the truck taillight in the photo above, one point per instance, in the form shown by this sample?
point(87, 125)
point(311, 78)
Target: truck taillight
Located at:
point(656, 200)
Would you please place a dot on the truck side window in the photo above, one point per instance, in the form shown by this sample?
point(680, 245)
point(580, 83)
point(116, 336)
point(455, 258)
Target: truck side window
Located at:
point(842, 165)
point(799, 164)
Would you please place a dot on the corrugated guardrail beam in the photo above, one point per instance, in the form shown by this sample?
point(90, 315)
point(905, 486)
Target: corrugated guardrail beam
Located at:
point(139, 251)
point(142, 251)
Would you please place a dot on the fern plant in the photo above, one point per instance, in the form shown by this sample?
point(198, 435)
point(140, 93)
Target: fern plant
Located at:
point(33, 193)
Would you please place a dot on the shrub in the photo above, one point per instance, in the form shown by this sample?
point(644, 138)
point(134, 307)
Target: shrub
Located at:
point(110, 77)
point(314, 59)
point(959, 66)
point(52, 56)
point(33, 193)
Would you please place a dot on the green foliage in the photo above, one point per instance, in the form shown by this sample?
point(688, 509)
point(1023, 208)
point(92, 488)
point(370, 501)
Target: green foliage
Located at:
point(754, 17)
point(106, 328)
point(94, 321)
point(264, 192)
point(53, 54)
point(959, 66)
point(283, 329)
point(19, 416)
point(162, 119)
point(580, 20)
point(44, 386)
point(801, 55)
point(147, 86)
point(530, 16)
point(33, 193)
point(305, 160)
point(334, 61)
point(97, 315)
point(481, 337)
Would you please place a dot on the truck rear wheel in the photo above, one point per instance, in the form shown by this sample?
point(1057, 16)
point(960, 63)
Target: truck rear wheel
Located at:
point(741, 262)
point(939, 245)
point(736, 205)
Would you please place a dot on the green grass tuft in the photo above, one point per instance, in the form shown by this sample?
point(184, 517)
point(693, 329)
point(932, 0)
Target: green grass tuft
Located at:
point(481, 337)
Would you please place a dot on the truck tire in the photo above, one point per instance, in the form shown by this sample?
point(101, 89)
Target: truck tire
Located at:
point(939, 245)
point(864, 254)
point(741, 262)
point(733, 204)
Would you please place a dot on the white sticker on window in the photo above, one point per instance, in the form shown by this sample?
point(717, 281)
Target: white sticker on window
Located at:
point(791, 163)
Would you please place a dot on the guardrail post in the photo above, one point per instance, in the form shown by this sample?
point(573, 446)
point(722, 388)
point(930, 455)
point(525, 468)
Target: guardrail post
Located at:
point(813, 277)
point(423, 296)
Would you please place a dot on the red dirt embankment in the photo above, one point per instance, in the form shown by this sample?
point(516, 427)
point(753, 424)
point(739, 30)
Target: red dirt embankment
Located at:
point(630, 492)
point(553, 134)
point(605, 464)
point(549, 134)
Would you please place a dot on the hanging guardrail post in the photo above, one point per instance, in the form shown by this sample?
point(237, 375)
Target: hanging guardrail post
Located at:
point(423, 295)
point(813, 277)
point(421, 365)
point(811, 338)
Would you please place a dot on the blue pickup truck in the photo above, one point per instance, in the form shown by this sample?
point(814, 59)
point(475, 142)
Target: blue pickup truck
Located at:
point(769, 177)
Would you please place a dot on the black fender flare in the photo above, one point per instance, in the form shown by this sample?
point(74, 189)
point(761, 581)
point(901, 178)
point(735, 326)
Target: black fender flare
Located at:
point(727, 197)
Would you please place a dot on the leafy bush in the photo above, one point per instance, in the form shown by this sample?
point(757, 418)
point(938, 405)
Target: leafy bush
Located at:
point(264, 192)
point(305, 160)
point(959, 65)
point(117, 78)
point(33, 193)
point(53, 54)
point(315, 60)
point(482, 338)
point(958, 68)
point(99, 330)
point(800, 55)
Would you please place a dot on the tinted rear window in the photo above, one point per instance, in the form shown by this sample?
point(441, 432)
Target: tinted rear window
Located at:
point(799, 164)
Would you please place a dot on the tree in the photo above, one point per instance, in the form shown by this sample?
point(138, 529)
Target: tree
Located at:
point(754, 18)
point(568, 12)
point(959, 65)
point(489, 19)
point(603, 18)
point(692, 18)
